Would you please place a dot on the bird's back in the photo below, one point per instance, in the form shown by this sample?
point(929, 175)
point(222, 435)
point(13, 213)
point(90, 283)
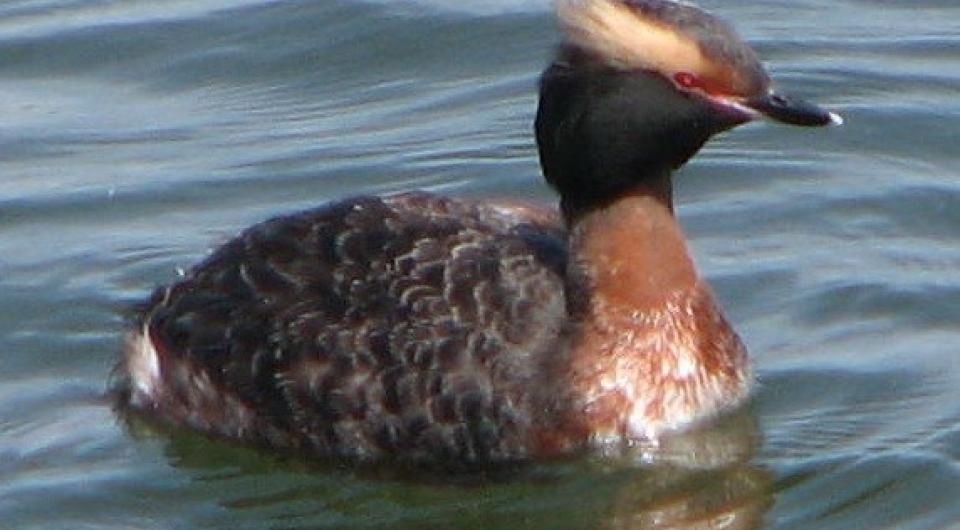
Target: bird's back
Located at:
point(409, 325)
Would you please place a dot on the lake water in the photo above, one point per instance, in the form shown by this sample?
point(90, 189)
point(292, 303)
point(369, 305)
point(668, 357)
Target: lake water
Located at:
point(137, 135)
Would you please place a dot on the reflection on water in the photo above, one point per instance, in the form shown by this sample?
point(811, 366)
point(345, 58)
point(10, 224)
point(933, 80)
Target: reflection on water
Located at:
point(703, 479)
point(733, 498)
point(136, 137)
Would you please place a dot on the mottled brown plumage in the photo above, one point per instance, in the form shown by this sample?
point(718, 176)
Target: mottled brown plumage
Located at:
point(364, 328)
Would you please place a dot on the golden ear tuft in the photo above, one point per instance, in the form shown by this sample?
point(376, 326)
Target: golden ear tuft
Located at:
point(626, 38)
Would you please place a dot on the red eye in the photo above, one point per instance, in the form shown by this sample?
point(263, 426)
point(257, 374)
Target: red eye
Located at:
point(687, 80)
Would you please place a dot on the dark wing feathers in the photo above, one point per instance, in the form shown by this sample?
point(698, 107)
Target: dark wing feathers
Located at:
point(373, 326)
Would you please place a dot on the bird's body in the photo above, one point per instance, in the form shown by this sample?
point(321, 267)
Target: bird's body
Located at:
point(428, 329)
point(419, 326)
point(364, 328)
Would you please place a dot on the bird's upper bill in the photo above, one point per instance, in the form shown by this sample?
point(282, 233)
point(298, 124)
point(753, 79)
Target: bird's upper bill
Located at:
point(697, 52)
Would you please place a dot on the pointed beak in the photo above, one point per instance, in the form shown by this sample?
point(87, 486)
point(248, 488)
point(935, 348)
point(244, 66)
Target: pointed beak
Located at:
point(791, 110)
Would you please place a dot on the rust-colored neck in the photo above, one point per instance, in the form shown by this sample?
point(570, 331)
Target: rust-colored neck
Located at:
point(650, 350)
point(629, 254)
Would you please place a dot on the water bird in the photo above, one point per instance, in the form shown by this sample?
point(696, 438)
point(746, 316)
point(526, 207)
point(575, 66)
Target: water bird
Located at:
point(428, 329)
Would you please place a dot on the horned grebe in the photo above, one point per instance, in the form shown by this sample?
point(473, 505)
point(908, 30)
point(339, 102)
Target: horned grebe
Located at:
point(421, 328)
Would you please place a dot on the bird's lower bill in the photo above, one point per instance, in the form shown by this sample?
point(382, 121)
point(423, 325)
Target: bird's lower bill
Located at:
point(774, 106)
